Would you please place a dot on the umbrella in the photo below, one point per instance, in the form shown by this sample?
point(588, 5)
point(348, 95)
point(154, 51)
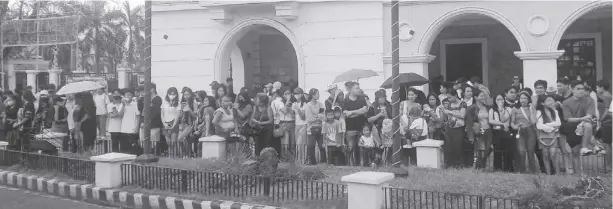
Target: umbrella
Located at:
point(77, 87)
point(354, 74)
point(406, 79)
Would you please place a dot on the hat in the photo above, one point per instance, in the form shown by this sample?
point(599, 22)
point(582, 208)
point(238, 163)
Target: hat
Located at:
point(332, 87)
point(380, 93)
point(298, 91)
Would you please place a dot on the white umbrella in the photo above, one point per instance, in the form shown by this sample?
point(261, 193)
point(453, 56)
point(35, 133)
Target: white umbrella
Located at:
point(78, 87)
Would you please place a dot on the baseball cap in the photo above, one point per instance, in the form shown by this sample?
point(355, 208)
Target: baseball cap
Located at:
point(332, 87)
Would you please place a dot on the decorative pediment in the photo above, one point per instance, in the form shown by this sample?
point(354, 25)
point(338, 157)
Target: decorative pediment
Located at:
point(287, 10)
point(220, 14)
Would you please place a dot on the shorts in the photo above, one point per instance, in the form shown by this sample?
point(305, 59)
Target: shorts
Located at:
point(568, 130)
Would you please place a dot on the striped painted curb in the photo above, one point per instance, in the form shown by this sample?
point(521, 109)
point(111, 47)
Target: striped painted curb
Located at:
point(89, 192)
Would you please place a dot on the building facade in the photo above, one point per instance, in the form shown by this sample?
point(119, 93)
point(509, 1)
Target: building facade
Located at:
point(310, 42)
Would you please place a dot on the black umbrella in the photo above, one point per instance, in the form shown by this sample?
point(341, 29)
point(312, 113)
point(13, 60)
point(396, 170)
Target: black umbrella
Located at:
point(406, 79)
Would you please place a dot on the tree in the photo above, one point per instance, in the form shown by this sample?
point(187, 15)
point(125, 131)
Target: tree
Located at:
point(133, 21)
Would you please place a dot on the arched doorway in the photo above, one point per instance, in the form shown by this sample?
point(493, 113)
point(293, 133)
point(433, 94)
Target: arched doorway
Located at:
point(585, 37)
point(473, 41)
point(259, 51)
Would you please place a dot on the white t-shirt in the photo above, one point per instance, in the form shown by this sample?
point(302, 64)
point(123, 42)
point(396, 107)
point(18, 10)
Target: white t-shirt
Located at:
point(367, 141)
point(297, 115)
point(101, 101)
point(129, 121)
point(277, 105)
point(70, 119)
point(114, 123)
point(169, 113)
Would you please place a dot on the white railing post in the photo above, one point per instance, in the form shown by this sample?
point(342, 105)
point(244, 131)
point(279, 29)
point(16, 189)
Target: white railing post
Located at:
point(429, 153)
point(365, 189)
point(108, 168)
point(213, 147)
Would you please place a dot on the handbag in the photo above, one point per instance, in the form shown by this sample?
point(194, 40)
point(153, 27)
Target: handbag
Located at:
point(280, 131)
point(316, 130)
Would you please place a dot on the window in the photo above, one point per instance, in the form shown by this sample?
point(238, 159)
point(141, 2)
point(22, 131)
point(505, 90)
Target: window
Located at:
point(579, 58)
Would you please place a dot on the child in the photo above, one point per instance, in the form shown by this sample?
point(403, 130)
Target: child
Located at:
point(333, 139)
point(386, 140)
point(367, 144)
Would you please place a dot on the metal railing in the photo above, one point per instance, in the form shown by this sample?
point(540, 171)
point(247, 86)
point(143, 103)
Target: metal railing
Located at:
point(78, 169)
point(184, 181)
point(398, 198)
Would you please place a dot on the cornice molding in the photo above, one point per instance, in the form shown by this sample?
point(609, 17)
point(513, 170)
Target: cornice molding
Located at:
point(539, 55)
point(421, 58)
point(287, 10)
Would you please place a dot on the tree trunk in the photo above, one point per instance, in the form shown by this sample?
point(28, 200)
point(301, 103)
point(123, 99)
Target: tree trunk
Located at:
point(96, 50)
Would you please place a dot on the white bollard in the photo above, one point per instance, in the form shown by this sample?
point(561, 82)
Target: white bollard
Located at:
point(213, 147)
point(108, 168)
point(429, 153)
point(365, 189)
point(3, 145)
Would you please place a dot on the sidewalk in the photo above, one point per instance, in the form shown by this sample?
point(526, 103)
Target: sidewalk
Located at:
point(90, 193)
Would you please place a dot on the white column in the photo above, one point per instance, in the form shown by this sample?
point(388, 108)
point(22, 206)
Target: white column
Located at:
point(365, 189)
point(54, 77)
point(12, 79)
point(108, 168)
point(429, 153)
point(122, 78)
point(540, 65)
point(31, 81)
point(213, 147)
point(417, 64)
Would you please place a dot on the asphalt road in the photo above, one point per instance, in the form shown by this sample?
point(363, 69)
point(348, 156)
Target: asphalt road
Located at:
point(11, 198)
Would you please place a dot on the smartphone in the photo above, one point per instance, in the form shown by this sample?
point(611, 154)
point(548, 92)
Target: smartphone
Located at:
point(321, 110)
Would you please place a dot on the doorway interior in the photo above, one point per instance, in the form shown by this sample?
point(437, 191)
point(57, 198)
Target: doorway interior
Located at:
point(464, 58)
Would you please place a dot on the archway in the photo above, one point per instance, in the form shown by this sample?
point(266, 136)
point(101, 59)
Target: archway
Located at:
point(585, 37)
point(473, 42)
point(259, 51)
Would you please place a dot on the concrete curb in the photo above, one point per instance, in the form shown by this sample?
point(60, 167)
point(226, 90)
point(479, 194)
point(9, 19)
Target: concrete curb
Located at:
point(89, 192)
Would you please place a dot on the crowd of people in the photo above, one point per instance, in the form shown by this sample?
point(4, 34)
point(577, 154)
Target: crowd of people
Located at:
point(524, 130)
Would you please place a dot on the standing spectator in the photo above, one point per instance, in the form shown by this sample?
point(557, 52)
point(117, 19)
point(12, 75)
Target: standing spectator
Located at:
point(517, 83)
point(129, 123)
point(10, 120)
point(156, 118)
point(287, 119)
point(222, 91)
point(223, 118)
point(415, 129)
point(368, 144)
point(333, 137)
point(170, 114)
point(548, 124)
point(336, 97)
point(444, 88)
point(435, 124)
point(502, 137)
point(455, 130)
point(186, 120)
point(478, 129)
point(101, 100)
point(355, 119)
point(2, 117)
point(468, 95)
point(262, 121)
point(314, 116)
point(115, 111)
point(60, 116)
point(301, 124)
point(379, 111)
point(510, 97)
point(410, 102)
point(523, 119)
point(204, 126)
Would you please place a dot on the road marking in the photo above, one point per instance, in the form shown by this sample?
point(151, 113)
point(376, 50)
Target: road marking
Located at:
point(52, 197)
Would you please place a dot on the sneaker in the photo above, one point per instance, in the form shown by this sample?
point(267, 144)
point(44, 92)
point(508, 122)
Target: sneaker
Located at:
point(585, 151)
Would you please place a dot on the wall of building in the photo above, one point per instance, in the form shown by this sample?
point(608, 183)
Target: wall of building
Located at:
point(187, 55)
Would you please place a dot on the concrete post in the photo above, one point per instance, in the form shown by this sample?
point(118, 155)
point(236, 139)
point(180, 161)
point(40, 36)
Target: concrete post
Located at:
point(429, 153)
point(213, 147)
point(365, 189)
point(122, 78)
point(31, 79)
point(12, 79)
point(540, 65)
point(108, 168)
point(54, 77)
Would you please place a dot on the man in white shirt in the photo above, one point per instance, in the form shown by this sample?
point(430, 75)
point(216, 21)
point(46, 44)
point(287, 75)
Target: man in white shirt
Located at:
point(101, 100)
point(129, 124)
